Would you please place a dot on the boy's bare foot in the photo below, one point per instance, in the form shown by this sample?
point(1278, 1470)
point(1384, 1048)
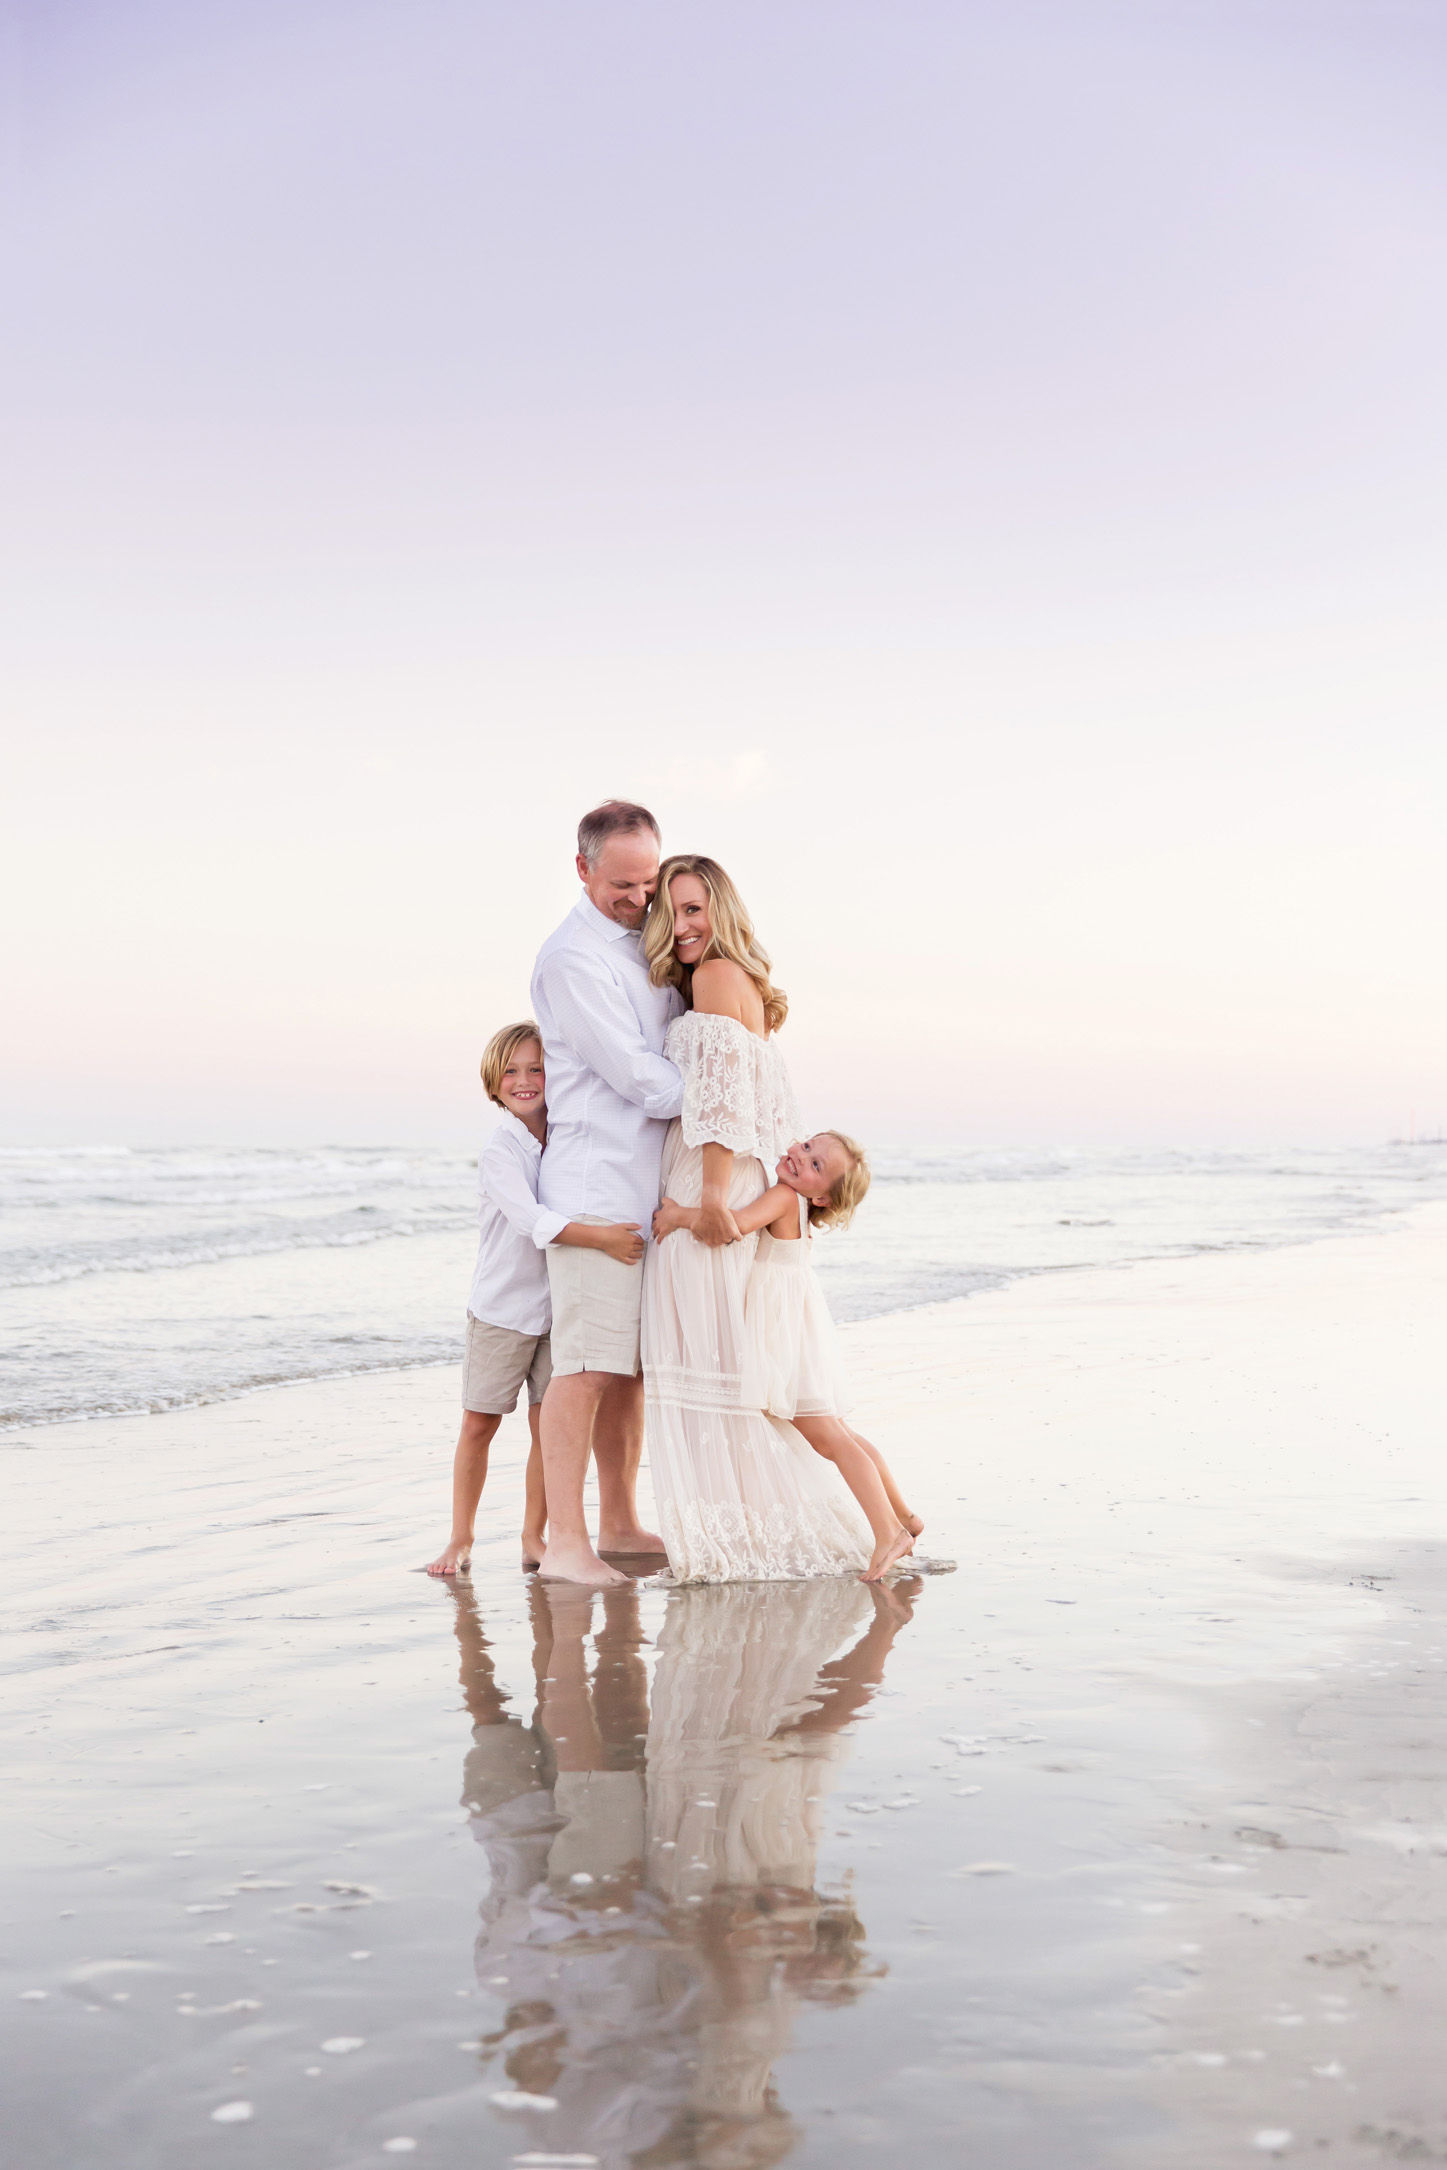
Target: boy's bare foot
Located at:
point(885, 1554)
point(454, 1559)
point(535, 1544)
point(576, 1561)
point(629, 1541)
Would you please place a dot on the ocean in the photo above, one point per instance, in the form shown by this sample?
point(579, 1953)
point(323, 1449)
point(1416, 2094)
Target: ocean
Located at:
point(148, 1279)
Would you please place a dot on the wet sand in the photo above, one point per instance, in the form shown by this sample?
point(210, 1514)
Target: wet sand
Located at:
point(1125, 1844)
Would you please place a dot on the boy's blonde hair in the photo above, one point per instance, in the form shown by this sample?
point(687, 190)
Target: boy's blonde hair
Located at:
point(731, 935)
point(841, 1202)
point(499, 1052)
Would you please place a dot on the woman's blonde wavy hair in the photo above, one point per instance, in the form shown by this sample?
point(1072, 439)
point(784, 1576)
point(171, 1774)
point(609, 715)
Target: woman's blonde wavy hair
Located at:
point(843, 1199)
point(731, 935)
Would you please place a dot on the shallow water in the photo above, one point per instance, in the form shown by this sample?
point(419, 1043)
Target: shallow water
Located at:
point(702, 1877)
point(1112, 1848)
point(147, 1280)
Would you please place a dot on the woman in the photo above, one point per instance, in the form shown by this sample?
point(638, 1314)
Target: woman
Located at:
point(741, 1496)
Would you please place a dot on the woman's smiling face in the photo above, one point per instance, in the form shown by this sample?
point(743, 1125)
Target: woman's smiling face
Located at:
point(692, 932)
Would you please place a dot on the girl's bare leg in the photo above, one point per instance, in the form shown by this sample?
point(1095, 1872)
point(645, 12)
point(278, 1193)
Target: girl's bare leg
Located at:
point(912, 1522)
point(535, 1507)
point(469, 1473)
point(835, 1441)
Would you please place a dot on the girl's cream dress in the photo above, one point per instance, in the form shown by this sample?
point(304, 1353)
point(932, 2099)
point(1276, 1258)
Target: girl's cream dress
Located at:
point(793, 1365)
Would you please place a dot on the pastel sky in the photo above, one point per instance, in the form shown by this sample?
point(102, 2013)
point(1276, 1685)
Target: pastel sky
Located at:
point(976, 469)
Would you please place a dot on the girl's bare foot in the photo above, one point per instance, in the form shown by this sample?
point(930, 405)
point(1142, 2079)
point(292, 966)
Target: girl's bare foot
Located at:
point(454, 1559)
point(885, 1554)
point(534, 1546)
point(914, 1523)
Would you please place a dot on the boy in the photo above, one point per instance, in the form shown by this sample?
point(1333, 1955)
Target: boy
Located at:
point(508, 1308)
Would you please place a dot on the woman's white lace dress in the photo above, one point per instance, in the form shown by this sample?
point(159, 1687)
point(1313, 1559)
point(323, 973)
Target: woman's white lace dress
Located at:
point(742, 1497)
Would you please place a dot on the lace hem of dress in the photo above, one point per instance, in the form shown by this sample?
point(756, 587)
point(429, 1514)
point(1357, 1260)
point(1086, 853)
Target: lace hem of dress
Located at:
point(713, 1128)
point(693, 1389)
point(717, 1541)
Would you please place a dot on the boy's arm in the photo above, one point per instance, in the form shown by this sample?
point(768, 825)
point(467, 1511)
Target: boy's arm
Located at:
point(593, 1015)
point(506, 1185)
point(620, 1239)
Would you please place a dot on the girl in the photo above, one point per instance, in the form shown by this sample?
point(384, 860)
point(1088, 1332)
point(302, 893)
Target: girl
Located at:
point(791, 1366)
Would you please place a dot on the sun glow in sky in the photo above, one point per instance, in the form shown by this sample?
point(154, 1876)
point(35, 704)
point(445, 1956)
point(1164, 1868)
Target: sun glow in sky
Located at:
point(976, 469)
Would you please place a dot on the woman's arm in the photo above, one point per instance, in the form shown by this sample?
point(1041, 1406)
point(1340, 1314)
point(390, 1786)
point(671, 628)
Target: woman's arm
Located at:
point(720, 989)
point(714, 1224)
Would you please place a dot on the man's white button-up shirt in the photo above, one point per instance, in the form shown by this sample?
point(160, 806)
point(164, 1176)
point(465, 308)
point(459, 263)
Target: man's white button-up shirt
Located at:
point(610, 1092)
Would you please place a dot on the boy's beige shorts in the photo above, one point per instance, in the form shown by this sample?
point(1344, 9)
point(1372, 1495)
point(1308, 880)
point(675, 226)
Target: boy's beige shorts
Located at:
point(596, 1308)
point(495, 1362)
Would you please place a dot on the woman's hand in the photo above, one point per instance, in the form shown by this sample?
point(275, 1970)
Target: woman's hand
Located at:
point(622, 1240)
point(714, 1225)
point(669, 1218)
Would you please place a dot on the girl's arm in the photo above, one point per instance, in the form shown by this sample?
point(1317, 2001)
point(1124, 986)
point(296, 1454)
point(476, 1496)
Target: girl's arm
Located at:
point(778, 1204)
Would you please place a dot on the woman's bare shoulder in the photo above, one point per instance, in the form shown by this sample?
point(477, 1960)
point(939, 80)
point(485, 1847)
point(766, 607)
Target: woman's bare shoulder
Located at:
point(720, 987)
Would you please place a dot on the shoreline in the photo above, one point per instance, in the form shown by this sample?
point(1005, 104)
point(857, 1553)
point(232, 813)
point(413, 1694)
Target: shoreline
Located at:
point(1384, 1220)
point(1105, 1849)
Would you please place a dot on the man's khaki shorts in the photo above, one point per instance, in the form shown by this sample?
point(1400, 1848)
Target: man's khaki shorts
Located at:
point(495, 1362)
point(596, 1308)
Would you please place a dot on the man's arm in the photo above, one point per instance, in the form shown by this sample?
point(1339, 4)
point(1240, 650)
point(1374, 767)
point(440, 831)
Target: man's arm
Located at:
point(592, 1014)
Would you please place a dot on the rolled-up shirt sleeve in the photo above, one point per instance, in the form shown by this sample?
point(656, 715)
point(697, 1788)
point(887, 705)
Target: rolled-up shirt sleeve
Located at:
point(592, 1013)
point(505, 1185)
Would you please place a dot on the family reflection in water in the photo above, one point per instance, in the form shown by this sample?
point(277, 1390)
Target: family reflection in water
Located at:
point(652, 1919)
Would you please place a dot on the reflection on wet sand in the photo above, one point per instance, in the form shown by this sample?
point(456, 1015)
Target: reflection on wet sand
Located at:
point(652, 1911)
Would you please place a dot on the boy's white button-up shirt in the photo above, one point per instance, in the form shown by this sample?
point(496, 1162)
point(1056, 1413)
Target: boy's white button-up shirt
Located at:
point(510, 1279)
point(610, 1092)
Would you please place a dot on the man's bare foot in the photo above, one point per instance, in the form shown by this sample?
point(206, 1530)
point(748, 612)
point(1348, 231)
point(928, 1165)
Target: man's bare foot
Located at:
point(914, 1523)
point(630, 1541)
point(535, 1544)
point(454, 1559)
point(893, 1548)
point(575, 1561)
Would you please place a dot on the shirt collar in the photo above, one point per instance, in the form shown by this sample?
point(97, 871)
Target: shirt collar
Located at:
point(590, 915)
point(521, 1129)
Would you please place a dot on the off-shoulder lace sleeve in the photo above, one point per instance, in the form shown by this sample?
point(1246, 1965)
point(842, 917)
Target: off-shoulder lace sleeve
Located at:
point(735, 1086)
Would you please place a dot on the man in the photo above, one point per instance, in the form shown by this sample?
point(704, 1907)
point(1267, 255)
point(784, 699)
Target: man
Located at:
point(611, 1096)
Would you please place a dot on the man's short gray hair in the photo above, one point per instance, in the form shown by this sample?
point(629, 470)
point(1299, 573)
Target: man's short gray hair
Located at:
point(615, 817)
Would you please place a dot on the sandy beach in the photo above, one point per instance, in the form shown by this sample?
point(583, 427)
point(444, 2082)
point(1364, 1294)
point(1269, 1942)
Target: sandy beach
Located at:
point(1126, 1843)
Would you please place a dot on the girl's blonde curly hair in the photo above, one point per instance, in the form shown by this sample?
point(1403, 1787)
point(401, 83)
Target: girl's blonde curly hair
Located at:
point(842, 1201)
point(731, 934)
